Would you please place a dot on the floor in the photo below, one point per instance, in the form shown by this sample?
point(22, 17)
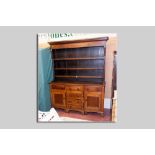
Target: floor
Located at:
point(89, 116)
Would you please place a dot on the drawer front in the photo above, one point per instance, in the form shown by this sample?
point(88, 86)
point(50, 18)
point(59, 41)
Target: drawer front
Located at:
point(78, 102)
point(74, 94)
point(56, 86)
point(74, 101)
point(70, 102)
point(75, 107)
point(74, 88)
point(93, 88)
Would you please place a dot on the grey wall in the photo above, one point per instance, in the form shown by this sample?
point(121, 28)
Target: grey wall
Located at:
point(136, 74)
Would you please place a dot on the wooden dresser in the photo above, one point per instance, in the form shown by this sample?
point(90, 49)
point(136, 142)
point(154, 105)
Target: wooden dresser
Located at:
point(79, 75)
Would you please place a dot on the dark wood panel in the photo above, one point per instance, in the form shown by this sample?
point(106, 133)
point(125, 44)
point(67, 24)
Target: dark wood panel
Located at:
point(80, 72)
point(79, 68)
point(78, 52)
point(88, 61)
point(79, 80)
point(70, 76)
point(86, 58)
point(79, 64)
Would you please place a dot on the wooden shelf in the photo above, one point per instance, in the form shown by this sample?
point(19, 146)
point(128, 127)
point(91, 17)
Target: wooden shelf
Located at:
point(87, 58)
point(78, 68)
point(70, 76)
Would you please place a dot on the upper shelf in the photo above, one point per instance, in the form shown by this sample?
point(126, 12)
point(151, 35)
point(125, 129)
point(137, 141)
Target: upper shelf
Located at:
point(101, 68)
point(87, 58)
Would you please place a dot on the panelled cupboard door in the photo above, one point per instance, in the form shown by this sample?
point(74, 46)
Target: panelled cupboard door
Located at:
point(58, 98)
point(93, 101)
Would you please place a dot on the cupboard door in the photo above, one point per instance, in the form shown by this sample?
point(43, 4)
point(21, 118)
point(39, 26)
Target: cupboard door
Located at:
point(58, 98)
point(93, 101)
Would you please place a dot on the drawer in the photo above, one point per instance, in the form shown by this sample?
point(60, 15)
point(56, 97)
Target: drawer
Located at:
point(70, 102)
point(74, 101)
point(74, 94)
point(93, 88)
point(74, 88)
point(78, 102)
point(75, 106)
point(58, 86)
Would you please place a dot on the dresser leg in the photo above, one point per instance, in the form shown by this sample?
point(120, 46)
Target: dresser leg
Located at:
point(85, 113)
point(101, 113)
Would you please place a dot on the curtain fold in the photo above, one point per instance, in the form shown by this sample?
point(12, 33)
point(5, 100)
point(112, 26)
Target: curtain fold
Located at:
point(45, 76)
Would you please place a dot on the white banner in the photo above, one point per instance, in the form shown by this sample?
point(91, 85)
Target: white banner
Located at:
point(47, 37)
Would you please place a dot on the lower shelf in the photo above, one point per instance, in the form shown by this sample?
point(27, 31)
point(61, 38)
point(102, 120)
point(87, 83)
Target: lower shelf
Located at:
point(70, 76)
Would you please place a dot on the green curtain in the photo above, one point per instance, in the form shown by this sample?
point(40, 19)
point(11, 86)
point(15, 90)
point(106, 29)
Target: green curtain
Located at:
point(45, 76)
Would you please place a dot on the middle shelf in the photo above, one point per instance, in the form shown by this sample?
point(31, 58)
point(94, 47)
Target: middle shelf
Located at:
point(85, 58)
point(70, 76)
point(79, 68)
